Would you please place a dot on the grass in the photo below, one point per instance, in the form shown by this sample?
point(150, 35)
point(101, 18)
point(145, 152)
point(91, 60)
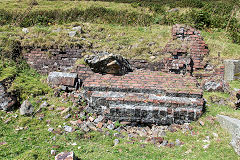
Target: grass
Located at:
point(35, 142)
point(130, 41)
point(131, 29)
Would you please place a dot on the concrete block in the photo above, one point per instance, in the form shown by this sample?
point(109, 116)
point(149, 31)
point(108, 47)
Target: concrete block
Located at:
point(232, 125)
point(232, 70)
point(62, 78)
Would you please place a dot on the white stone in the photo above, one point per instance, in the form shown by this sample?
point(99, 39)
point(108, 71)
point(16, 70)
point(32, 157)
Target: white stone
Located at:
point(25, 30)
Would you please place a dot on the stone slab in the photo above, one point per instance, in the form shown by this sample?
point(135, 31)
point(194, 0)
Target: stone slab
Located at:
point(62, 78)
point(232, 70)
point(232, 125)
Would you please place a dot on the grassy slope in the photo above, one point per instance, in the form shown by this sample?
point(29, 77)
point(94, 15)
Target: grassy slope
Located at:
point(35, 142)
point(129, 41)
point(63, 5)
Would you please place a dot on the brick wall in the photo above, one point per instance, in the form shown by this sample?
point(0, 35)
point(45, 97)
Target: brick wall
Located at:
point(187, 50)
point(185, 55)
point(54, 59)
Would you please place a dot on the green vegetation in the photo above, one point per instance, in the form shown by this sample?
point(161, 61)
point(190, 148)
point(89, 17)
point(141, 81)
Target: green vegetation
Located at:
point(34, 141)
point(201, 14)
point(135, 29)
point(26, 82)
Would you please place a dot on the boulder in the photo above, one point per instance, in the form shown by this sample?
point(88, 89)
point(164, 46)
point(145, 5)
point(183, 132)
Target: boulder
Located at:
point(7, 101)
point(26, 108)
point(105, 62)
point(214, 84)
point(65, 156)
point(63, 80)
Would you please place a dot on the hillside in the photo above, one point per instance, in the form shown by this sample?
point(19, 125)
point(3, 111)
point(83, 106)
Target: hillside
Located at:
point(137, 30)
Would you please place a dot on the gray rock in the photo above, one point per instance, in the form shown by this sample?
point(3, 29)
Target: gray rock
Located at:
point(72, 33)
point(164, 143)
point(178, 142)
point(57, 30)
point(67, 116)
point(25, 30)
point(26, 108)
point(105, 62)
point(99, 119)
point(65, 156)
point(215, 84)
point(111, 126)
point(78, 29)
point(68, 128)
point(82, 115)
point(84, 127)
point(232, 125)
point(91, 126)
point(173, 10)
point(50, 129)
point(116, 142)
point(44, 104)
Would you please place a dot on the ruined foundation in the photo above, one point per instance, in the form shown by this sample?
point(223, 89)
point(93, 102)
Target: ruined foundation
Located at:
point(146, 97)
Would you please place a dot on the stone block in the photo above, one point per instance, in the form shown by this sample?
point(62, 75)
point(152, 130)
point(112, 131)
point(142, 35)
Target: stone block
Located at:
point(232, 70)
point(62, 78)
point(65, 156)
point(232, 125)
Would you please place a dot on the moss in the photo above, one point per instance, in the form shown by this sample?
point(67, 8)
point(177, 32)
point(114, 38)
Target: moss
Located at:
point(80, 61)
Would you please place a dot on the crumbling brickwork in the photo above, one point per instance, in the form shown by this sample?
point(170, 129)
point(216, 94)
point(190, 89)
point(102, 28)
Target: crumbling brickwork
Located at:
point(187, 50)
point(54, 59)
point(145, 96)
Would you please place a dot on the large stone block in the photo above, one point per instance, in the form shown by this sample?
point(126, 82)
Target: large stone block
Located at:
point(232, 70)
point(232, 125)
point(62, 78)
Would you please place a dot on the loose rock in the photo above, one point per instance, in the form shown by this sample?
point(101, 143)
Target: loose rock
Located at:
point(26, 108)
point(65, 156)
point(68, 128)
point(25, 30)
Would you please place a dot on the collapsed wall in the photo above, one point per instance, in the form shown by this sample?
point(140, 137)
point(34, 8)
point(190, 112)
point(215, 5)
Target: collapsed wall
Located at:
point(148, 95)
point(187, 50)
point(45, 60)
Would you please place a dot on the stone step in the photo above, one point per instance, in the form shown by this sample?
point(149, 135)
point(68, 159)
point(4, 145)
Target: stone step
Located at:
point(145, 96)
point(145, 82)
point(146, 108)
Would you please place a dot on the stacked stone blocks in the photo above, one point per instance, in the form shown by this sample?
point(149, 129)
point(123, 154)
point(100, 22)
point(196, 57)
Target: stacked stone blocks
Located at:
point(145, 96)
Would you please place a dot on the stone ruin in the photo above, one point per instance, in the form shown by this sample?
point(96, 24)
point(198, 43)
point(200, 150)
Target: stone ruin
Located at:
point(146, 97)
point(163, 92)
point(187, 50)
